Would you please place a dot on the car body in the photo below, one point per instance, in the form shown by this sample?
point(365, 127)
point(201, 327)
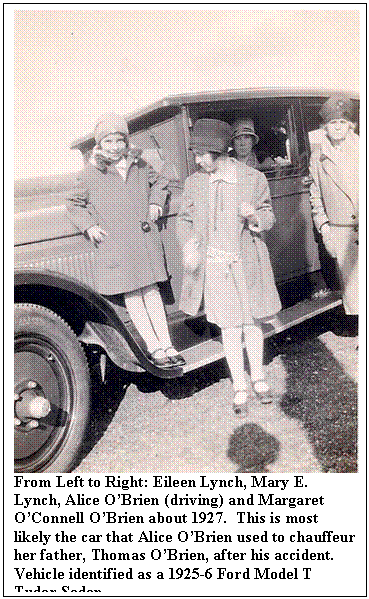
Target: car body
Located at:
point(54, 286)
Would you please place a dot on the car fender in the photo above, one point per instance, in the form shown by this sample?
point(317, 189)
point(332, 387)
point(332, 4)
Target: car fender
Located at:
point(106, 330)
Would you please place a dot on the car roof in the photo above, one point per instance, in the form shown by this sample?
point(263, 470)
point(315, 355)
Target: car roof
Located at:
point(237, 94)
point(169, 105)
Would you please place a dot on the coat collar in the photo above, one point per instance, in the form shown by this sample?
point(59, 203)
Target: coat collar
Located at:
point(227, 172)
point(122, 167)
point(349, 147)
point(132, 158)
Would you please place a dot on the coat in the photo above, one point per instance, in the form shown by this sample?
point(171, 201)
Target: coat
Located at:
point(193, 222)
point(334, 197)
point(129, 258)
point(334, 194)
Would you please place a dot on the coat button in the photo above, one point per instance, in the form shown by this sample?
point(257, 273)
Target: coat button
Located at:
point(145, 227)
point(353, 216)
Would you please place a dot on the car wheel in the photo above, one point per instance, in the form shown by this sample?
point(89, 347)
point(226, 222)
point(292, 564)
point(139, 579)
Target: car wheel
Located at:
point(51, 392)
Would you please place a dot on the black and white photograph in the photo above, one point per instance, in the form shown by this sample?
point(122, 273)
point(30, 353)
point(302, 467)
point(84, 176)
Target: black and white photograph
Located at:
point(187, 289)
point(186, 240)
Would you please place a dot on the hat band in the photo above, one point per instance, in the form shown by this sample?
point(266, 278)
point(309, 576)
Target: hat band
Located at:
point(209, 145)
point(244, 132)
point(337, 114)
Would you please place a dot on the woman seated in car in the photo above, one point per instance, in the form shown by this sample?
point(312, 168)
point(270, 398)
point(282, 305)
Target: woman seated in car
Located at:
point(244, 139)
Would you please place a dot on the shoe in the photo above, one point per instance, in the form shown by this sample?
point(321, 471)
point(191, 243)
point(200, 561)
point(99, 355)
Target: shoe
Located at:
point(264, 396)
point(240, 408)
point(176, 359)
point(164, 362)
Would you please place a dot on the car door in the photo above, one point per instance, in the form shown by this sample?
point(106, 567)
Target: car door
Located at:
point(291, 242)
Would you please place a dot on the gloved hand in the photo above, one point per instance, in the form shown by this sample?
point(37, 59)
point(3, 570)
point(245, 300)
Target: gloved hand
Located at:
point(327, 239)
point(247, 211)
point(155, 212)
point(96, 234)
point(134, 153)
point(191, 255)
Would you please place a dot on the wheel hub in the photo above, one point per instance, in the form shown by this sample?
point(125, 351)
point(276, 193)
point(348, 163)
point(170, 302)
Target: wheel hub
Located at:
point(30, 404)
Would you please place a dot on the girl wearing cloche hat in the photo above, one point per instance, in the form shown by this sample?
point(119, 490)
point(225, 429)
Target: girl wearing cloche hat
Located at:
point(334, 196)
point(115, 204)
point(225, 207)
point(244, 139)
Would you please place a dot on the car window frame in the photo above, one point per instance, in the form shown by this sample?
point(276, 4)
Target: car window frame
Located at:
point(298, 161)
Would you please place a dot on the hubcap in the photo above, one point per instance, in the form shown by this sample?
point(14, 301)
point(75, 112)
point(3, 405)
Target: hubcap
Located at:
point(42, 404)
point(32, 404)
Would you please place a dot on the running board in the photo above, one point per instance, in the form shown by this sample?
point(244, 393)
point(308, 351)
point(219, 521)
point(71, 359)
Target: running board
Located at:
point(212, 350)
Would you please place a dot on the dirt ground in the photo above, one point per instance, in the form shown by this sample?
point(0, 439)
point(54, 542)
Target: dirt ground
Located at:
point(187, 425)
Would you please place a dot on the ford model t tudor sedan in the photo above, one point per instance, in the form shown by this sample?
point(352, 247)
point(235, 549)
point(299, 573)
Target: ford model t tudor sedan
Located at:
point(59, 316)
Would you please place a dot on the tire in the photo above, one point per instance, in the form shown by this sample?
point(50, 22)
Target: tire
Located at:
point(50, 368)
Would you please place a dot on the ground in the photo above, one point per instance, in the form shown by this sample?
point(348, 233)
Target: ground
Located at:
point(187, 425)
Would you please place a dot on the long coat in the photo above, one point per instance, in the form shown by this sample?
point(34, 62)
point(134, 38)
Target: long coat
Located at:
point(128, 258)
point(334, 194)
point(193, 222)
point(334, 197)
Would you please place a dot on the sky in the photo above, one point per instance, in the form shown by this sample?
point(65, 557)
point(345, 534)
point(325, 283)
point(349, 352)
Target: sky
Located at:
point(71, 66)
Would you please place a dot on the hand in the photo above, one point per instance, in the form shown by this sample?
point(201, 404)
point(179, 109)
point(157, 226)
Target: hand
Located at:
point(246, 210)
point(96, 234)
point(191, 255)
point(155, 212)
point(327, 239)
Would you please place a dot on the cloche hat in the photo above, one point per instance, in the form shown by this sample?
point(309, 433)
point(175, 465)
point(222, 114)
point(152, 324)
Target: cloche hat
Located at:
point(337, 107)
point(211, 135)
point(110, 123)
point(244, 127)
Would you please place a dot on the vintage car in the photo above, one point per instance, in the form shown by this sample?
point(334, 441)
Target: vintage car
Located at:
point(59, 315)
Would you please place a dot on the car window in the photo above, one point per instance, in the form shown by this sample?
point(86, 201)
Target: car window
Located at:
point(278, 150)
point(161, 141)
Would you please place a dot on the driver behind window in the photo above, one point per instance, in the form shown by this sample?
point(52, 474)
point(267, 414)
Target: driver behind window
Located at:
point(244, 139)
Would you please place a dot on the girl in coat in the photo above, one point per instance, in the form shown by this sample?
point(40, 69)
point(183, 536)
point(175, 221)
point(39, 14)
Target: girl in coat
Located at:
point(334, 195)
point(225, 208)
point(116, 203)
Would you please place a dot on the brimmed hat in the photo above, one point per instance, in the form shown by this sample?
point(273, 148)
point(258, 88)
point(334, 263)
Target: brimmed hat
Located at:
point(211, 135)
point(337, 107)
point(110, 123)
point(244, 127)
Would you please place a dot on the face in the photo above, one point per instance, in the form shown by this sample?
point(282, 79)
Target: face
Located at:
point(243, 145)
point(113, 146)
point(205, 161)
point(337, 129)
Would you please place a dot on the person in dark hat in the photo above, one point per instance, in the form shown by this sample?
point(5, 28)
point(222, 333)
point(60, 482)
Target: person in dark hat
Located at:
point(225, 207)
point(244, 139)
point(117, 199)
point(334, 196)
